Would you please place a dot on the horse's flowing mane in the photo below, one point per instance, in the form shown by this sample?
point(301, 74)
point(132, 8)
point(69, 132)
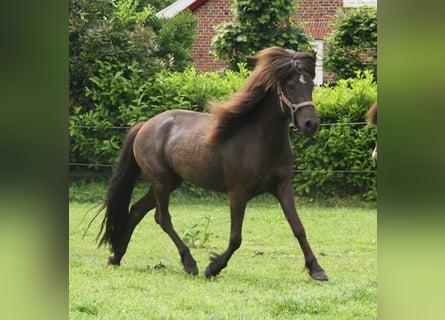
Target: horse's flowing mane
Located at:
point(274, 65)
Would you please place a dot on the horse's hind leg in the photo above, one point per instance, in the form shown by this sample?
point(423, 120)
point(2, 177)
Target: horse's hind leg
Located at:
point(163, 218)
point(137, 212)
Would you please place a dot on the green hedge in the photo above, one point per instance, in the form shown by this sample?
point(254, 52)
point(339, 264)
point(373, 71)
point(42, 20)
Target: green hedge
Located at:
point(338, 148)
point(122, 98)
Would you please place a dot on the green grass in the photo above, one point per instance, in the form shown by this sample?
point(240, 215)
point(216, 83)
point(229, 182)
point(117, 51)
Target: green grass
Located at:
point(265, 278)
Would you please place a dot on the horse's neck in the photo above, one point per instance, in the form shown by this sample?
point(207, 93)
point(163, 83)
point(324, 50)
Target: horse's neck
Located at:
point(271, 119)
point(269, 136)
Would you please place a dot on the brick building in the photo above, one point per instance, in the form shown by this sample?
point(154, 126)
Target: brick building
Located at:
point(314, 15)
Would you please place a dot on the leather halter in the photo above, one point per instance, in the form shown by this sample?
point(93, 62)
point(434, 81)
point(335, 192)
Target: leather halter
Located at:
point(294, 107)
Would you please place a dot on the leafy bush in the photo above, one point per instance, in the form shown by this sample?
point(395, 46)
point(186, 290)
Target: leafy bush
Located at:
point(339, 147)
point(174, 38)
point(123, 32)
point(110, 32)
point(257, 25)
point(352, 46)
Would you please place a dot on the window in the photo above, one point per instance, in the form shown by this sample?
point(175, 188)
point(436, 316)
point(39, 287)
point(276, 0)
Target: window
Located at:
point(318, 48)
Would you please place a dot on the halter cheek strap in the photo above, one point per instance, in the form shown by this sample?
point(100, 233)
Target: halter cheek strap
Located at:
point(292, 106)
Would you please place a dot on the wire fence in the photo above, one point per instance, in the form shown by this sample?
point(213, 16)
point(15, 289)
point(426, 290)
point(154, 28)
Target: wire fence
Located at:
point(322, 125)
point(92, 165)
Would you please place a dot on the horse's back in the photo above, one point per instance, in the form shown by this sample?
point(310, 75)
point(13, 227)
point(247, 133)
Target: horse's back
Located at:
point(168, 130)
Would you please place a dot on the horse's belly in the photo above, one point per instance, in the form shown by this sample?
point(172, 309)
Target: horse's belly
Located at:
point(201, 169)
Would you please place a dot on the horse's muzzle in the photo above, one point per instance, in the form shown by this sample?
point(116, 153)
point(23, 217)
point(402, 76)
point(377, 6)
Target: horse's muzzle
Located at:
point(308, 128)
point(311, 127)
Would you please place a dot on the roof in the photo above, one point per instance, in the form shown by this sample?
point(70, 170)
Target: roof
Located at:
point(178, 6)
point(195, 5)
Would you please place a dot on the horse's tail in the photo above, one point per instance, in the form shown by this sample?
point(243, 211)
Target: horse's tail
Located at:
point(119, 193)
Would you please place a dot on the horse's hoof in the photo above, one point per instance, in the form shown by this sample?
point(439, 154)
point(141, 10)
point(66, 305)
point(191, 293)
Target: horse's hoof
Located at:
point(191, 269)
point(212, 271)
point(113, 261)
point(319, 275)
point(209, 272)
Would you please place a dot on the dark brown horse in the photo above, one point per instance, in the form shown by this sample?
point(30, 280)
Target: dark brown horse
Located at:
point(372, 120)
point(241, 148)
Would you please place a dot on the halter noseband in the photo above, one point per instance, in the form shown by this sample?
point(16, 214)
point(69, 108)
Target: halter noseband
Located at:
point(294, 107)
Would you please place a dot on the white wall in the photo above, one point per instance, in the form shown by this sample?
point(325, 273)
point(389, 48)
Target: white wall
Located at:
point(359, 3)
point(318, 48)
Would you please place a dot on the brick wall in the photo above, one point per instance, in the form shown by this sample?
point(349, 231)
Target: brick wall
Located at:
point(212, 13)
point(315, 16)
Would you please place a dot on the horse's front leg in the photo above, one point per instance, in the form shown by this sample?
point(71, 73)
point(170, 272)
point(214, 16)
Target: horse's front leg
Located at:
point(219, 262)
point(284, 194)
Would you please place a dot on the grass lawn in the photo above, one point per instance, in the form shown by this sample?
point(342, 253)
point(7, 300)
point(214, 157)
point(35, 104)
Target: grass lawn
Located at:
point(265, 278)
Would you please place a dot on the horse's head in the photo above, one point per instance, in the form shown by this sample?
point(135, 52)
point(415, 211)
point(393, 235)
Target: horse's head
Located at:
point(294, 73)
point(290, 74)
point(295, 94)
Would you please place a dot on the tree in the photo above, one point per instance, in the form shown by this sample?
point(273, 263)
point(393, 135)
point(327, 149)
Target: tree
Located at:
point(352, 46)
point(127, 32)
point(175, 36)
point(257, 25)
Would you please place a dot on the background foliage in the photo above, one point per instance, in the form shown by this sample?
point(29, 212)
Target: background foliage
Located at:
point(126, 66)
point(257, 25)
point(352, 46)
point(123, 32)
point(339, 147)
point(123, 97)
point(333, 148)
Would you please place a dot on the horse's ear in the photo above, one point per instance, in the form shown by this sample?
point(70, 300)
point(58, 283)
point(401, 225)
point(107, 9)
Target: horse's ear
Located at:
point(314, 54)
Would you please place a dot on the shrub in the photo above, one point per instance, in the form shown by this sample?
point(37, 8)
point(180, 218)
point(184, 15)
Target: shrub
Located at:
point(339, 147)
point(257, 25)
point(111, 32)
point(352, 46)
point(174, 38)
point(123, 32)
